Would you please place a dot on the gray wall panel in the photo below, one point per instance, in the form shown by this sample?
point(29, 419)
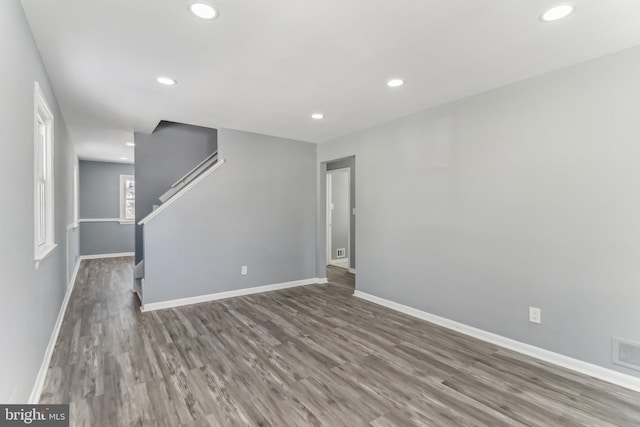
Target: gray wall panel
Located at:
point(257, 209)
point(73, 239)
point(30, 297)
point(527, 195)
point(162, 158)
point(98, 238)
point(100, 198)
point(100, 188)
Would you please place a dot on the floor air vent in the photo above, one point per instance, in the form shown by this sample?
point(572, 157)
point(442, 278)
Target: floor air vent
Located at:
point(626, 353)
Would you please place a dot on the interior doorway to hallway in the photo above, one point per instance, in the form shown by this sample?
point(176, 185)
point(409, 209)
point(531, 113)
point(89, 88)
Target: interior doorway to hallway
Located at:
point(339, 180)
point(338, 217)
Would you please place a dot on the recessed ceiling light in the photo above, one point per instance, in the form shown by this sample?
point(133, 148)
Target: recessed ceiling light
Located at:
point(166, 81)
point(204, 10)
point(130, 144)
point(558, 12)
point(395, 82)
point(123, 158)
point(317, 116)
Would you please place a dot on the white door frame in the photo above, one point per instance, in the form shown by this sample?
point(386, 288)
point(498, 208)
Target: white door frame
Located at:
point(328, 254)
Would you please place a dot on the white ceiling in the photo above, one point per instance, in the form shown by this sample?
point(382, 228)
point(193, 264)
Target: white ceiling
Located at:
point(265, 66)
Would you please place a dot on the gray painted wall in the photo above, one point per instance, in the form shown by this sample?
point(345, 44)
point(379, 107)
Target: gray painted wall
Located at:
point(528, 195)
point(162, 158)
point(348, 162)
point(98, 238)
point(100, 188)
point(73, 242)
point(340, 216)
point(257, 209)
point(30, 298)
point(100, 198)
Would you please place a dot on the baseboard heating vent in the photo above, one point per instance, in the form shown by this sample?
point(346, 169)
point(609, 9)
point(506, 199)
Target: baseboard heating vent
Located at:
point(342, 252)
point(626, 353)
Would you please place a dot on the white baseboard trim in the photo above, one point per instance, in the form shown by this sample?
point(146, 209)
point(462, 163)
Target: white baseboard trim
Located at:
point(323, 280)
point(34, 398)
point(99, 256)
point(352, 270)
point(229, 294)
point(599, 372)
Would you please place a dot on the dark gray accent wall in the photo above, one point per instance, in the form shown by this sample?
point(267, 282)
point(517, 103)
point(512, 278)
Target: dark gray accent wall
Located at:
point(100, 199)
point(257, 209)
point(30, 295)
point(163, 157)
point(348, 162)
point(527, 195)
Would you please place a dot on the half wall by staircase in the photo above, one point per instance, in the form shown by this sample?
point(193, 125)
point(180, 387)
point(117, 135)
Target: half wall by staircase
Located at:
point(257, 210)
point(162, 157)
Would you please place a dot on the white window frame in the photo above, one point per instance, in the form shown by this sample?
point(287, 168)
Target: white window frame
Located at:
point(43, 191)
point(123, 219)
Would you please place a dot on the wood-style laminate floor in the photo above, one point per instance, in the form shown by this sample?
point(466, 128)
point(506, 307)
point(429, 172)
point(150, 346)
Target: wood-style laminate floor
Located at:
point(312, 355)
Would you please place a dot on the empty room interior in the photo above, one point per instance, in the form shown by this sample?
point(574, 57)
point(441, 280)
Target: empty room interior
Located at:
point(290, 213)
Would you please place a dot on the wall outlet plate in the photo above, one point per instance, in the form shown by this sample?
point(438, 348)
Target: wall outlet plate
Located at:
point(243, 271)
point(535, 315)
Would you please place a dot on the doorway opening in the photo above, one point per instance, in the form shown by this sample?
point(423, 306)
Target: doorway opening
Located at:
point(338, 199)
point(339, 217)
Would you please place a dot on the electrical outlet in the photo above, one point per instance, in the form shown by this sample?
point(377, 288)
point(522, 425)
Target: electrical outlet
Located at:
point(535, 315)
point(244, 270)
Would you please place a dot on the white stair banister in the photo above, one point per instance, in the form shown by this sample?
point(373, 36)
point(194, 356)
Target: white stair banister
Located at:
point(181, 192)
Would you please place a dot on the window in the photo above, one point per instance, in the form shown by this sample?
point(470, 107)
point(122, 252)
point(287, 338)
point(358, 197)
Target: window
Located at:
point(127, 198)
point(43, 173)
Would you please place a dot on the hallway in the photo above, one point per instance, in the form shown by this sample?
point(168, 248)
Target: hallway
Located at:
point(311, 355)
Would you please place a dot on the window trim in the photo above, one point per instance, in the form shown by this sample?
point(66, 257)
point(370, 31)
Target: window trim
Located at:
point(123, 219)
point(42, 113)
